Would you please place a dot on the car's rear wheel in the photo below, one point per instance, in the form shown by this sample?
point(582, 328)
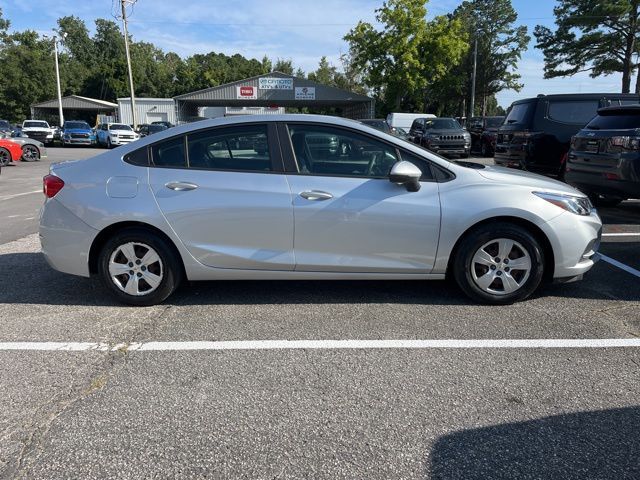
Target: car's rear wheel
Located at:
point(499, 263)
point(30, 153)
point(5, 157)
point(138, 267)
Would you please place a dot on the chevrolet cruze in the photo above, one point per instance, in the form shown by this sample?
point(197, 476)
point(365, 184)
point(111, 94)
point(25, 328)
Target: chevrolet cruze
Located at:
point(255, 198)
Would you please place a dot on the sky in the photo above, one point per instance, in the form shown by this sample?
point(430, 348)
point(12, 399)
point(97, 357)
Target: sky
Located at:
point(301, 30)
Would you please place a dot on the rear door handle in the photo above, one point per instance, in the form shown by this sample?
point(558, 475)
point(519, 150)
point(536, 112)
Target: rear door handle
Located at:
point(181, 186)
point(316, 195)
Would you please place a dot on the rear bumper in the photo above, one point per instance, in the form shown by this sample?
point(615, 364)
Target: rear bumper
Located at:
point(595, 182)
point(65, 239)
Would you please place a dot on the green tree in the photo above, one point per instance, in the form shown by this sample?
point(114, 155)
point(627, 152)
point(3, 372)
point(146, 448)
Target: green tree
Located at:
point(407, 54)
point(595, 36)
point(500, 45)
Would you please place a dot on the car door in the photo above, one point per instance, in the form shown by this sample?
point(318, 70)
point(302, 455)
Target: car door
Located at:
point(226, 196)
point(348, 216)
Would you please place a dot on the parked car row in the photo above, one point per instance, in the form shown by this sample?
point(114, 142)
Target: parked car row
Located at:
point(587, 140)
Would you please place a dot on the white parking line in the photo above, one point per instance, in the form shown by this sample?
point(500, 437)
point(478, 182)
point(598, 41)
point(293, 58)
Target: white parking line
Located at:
point(9, 197)
point(621, 234)
point(620, 265)
point(322, 345)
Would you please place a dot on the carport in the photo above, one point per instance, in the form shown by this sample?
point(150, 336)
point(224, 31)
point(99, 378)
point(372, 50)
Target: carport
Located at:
point(74, 107)
point(275, 89)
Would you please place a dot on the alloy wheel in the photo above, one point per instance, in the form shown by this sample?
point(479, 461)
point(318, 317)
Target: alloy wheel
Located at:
point(136, 268)
point(5, 157)
point(501, 266)
point(30, 153)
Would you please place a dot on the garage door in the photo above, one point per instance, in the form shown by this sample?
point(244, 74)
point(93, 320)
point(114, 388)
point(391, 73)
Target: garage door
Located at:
point(157, 117)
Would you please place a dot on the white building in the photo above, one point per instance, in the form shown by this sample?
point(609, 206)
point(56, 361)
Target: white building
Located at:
point(148, 110)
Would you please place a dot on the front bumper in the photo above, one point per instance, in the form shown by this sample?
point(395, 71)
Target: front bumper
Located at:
point(122, 141)
point(450, 149)
point(575, 241)
point(80, 141)
point(66, 240)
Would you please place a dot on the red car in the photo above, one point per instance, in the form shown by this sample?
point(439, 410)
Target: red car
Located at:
point(9, 152)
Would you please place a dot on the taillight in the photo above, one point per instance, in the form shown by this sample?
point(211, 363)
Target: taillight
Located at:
point(51, 185)
point(628, 143)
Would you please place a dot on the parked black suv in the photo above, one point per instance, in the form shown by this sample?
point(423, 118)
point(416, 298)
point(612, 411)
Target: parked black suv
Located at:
point(536, 133)
point(484, 131)
point(441, 135)
point(604, 160)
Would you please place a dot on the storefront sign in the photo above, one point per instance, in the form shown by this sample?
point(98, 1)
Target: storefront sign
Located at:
point(246, 92)
point(305, 93)
point(275, 83)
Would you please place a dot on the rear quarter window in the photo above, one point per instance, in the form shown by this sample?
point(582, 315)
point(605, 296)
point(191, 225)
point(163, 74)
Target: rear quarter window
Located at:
point(138, 157)
point(577, 112)
point(519, 113)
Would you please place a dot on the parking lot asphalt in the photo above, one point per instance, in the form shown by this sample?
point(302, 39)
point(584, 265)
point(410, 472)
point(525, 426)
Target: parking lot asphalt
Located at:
point(453, 413)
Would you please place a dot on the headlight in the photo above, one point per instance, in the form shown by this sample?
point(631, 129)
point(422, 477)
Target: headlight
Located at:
point(571, 203)
point(114, 135)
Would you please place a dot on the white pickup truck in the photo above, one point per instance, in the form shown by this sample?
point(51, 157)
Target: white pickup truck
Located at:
point(38, 130)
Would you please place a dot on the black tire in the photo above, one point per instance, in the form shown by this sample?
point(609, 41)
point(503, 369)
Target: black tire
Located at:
point(169, 266)
point(30, 153)
point(109, 146)
point(5, 157)
point(479, 237)
point(605, 201)
point(485, 151)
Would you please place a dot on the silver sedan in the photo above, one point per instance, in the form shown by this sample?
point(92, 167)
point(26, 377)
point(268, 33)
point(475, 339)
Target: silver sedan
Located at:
point(301, 197)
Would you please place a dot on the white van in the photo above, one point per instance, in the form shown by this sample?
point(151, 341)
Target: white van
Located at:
point(405, 120)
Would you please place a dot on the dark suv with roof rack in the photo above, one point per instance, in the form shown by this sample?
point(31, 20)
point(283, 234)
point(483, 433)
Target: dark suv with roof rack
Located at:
point(604, 160)
point(535, 135)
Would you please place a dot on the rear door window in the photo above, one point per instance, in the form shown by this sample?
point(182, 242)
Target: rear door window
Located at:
point(577, 112)
point(234, 148)
point(169, 153)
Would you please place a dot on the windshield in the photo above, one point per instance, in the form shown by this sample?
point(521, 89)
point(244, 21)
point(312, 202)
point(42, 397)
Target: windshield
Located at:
point(4, 125)
point(119, 126)
point(442, 124)
point(614, 122)
point(154, 128)
point(78, 125)
point(518, 113)
point(36, 125)
point(494, 122)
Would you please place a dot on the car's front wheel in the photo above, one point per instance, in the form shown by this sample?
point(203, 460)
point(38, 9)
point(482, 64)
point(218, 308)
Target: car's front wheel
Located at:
point(499, 263)
point(138, 267)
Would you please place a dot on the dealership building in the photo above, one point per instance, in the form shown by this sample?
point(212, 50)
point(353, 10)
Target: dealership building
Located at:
point(272, 92)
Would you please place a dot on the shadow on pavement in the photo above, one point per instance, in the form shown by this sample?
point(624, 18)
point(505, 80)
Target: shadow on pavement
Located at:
point(627, 213)
point(587, 445)
point(26, 278)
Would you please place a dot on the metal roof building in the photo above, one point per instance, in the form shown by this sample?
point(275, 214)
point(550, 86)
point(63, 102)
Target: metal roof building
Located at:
point(148, 110)
point(275, 89)
point(84, 108)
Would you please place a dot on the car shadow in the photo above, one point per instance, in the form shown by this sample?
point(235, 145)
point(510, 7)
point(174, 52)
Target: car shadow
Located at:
point(26, 278)
point(627, 213)
point(601, 444)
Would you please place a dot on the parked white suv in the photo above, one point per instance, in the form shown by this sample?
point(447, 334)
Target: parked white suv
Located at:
point(38, 130)
point(113, 134)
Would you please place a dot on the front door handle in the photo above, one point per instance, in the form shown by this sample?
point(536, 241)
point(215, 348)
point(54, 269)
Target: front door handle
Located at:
point(316, 195)
point(181, 186)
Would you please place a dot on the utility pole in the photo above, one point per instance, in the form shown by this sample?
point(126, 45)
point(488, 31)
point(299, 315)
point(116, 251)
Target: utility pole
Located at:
point(473, 77)
point(126, 47)
point(55, 55)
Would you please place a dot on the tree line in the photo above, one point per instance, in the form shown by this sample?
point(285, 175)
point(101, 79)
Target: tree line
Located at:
point(408, 61)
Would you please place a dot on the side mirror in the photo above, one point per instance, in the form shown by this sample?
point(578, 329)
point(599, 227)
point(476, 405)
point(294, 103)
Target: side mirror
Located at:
point(407, 174)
